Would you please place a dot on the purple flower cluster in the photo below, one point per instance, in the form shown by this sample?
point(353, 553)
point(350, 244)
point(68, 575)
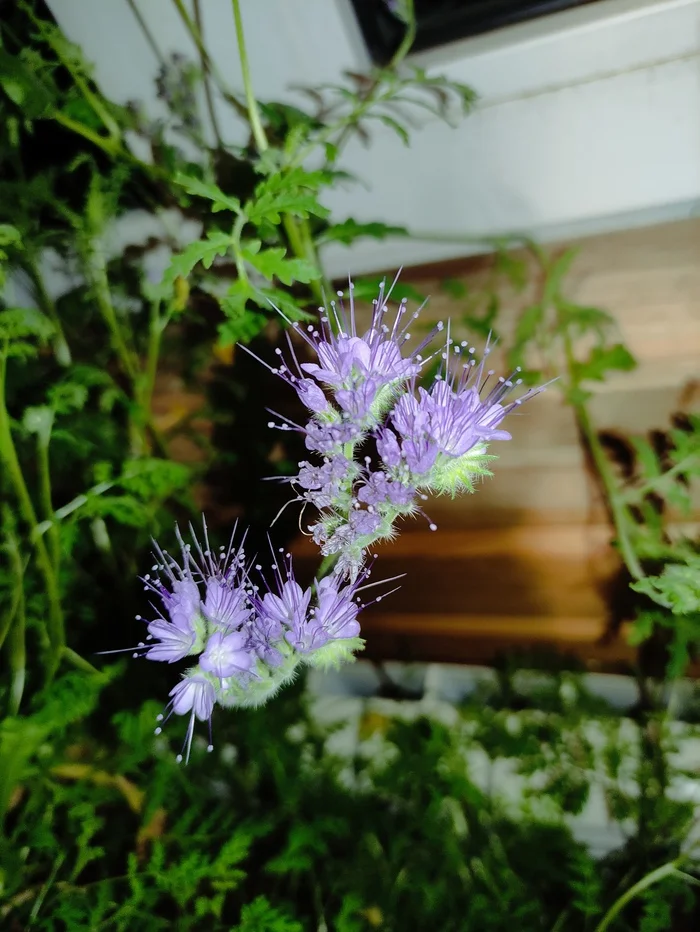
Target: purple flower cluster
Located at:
point(379, 443)
point(249, 638)
point(363, 390)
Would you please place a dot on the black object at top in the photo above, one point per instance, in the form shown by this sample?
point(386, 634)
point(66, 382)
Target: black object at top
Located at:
point(440, 22)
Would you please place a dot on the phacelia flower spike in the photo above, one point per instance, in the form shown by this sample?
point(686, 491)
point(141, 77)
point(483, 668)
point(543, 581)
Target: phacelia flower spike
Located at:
point(244, 638)
point(363, 390)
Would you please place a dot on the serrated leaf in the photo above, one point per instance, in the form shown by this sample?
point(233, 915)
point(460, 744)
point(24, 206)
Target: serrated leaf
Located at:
point(210, 191)
point(602, 360)
point(677, 588)
point(241, 324)
point(350, 230)
point(292, 193)
point(20, 323)
point(272, 263)
point(579, 320)
point(646, 455)
point(205, 251)
point(394, 125)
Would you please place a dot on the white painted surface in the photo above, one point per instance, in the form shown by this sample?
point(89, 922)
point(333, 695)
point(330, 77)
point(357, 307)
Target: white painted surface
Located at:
point(588, 120)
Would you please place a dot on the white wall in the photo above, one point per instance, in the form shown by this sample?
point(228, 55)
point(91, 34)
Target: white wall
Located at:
point(588, 120)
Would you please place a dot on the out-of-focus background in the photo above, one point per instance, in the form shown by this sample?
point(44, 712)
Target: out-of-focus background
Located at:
point(518, 744)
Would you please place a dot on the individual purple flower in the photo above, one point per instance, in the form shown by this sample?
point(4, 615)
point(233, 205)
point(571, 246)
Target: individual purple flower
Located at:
point(356, 367)
point(171, 642)
point(285, 609)
point(380, 489)
point(226, 605)
point(338, 608)
point(452, 417)
point(312, 396)
point(334, 617)
point(364, 521)
point(226, 655)
point(196, 695)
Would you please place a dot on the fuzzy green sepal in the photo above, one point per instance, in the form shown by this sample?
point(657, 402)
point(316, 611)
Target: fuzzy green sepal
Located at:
point(451, 474)
point(334, 654)
point(268, 682)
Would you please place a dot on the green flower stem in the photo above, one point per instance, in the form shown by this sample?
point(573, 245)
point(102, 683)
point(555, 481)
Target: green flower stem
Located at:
point(298, 232)
point(666, 870)
point(8, 456)
point(45, 499)
point(16, 641)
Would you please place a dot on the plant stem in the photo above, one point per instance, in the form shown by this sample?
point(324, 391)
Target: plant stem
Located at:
point(8, 456)
point(108, 144)
point(617, 509)
point(253, 109)
point(299, 238)
point(16, 642)
point(147, 34)
point(666, 870)
point(31, 268)
point(96, 268)
point(44, 472)
point(206, 69)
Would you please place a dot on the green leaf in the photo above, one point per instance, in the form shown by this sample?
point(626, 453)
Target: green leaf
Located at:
point(241, 324)
point(272, 263)
point(525, 331)
point(394, 125)
point(18, 326)
point(646, 455)
point(556, 271)
point(261, 916)
point(205, 251)
point(9, 235)
point(603, 360)
point(677, 588)
point(578, 320)
point(292, 193)
point(350, 230)
point(211, 192)
point(455, 288)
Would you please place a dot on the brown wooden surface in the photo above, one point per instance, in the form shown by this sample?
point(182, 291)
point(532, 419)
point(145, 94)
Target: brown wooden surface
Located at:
point(523, 562)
